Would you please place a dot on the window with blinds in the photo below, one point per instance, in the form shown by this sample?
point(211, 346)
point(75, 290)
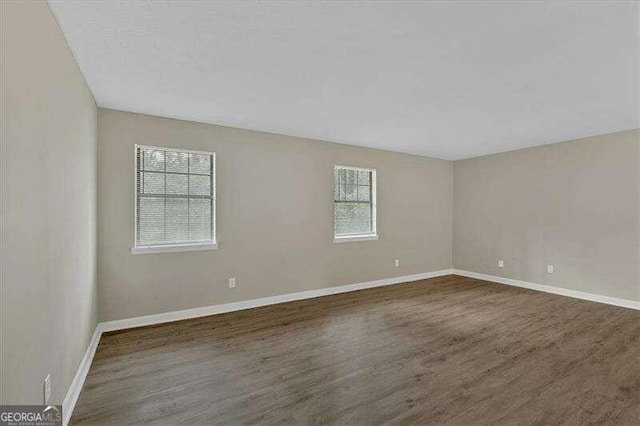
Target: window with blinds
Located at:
point(175, 197)
point(354, 201)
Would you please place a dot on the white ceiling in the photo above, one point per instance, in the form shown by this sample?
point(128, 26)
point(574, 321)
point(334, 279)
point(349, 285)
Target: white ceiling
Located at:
point(443, 79)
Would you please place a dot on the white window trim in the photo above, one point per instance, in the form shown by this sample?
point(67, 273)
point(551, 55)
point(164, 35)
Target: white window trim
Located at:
point(350, 238)
point(169, 248)
point(173, 248)
point(347, 238)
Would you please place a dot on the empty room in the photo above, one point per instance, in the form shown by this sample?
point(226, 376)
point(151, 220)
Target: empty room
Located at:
point(319, 212)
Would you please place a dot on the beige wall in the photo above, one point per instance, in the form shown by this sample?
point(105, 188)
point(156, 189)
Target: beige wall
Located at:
point(573, 204)
point(275, 218)
point(48, 187)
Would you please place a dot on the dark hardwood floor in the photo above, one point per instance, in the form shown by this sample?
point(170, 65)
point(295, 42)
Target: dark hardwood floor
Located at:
point(448, 350)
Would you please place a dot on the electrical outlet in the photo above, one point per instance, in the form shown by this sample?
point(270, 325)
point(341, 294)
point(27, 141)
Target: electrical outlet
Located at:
point(500, 263)
point(232, 282)
point(549, 269)
point(47, 389)
point(397, 262)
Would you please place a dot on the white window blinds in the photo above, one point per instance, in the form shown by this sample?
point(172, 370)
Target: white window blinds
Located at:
point(354, 201)
point(175, 197)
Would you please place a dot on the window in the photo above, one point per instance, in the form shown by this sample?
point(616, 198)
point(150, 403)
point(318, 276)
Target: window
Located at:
point(175, 200)
point(354, 204)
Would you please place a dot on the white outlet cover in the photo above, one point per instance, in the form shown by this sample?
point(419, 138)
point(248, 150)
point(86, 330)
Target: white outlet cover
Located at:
point(232, 282)
point(500, 263)
point(397, 262)
point(47, 389)
point(549, 269)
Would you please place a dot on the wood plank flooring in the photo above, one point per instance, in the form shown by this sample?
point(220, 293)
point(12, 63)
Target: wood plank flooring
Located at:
point(448, 350)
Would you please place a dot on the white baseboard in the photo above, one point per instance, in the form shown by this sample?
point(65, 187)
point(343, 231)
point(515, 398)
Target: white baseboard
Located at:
point(625, 303)
point(73, 392)
point(78, 381)
point(264, 301)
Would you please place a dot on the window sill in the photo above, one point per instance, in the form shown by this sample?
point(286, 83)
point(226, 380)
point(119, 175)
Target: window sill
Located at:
point(351, 238)
point(173, 248)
